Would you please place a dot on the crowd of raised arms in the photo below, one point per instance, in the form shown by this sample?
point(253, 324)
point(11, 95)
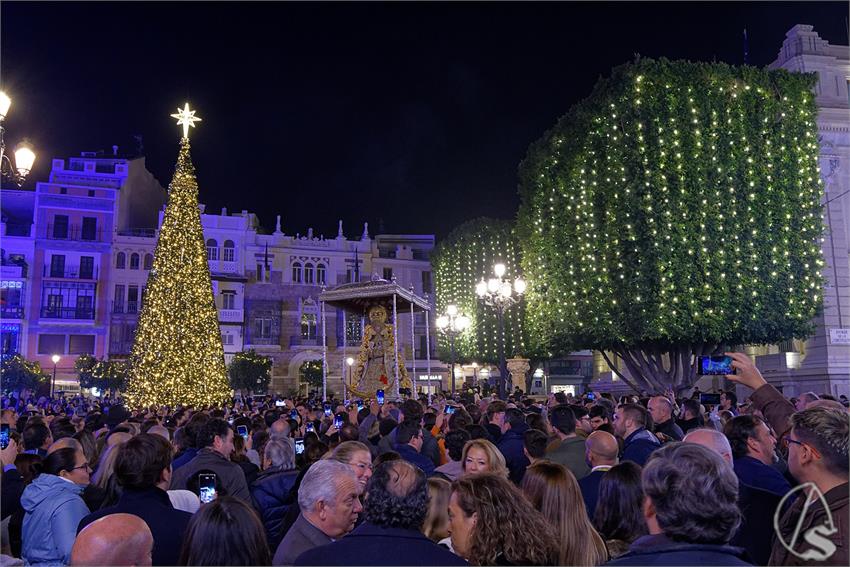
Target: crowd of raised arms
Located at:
point(569, 480)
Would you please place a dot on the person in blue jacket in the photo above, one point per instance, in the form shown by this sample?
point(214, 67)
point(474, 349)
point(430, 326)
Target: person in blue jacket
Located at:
point(53, 508)
point(630, 425)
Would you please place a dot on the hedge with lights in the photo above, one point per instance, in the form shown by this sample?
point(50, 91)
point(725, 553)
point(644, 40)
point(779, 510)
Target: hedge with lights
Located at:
point(250, 371)
point(177, 355)
point(101, 374)
point(674, 212)
point(465, 256)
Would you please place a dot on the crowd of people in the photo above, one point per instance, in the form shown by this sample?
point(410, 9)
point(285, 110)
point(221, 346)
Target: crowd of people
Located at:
point(569, 480)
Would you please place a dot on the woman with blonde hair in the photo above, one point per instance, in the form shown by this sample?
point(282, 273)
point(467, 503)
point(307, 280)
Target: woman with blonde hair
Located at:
point(491, 523)
point(356, 455)
point(552, 489)
point(481, 456)
point(436, 526)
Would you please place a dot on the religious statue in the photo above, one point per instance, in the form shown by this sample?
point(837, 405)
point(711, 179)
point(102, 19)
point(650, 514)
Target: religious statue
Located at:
point(374, 368)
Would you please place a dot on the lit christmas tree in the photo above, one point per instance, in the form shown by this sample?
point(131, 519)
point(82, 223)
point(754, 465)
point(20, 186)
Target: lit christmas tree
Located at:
point(177, 354)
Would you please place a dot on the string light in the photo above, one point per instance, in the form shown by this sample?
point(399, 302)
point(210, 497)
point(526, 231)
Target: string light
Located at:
point(665, 188)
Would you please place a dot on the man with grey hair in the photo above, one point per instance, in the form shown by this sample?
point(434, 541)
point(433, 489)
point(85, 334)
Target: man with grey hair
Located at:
point(757, 506)
point(690, 510)
point(281, 431)
point(329, 503)
point(804, 400)
point(661, 410)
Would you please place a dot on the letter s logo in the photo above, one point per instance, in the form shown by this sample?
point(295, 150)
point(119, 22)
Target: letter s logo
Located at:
point(817, 538)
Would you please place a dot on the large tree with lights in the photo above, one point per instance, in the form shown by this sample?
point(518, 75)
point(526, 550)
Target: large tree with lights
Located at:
point(177, 355)
point(460, 261)
point(673, 213)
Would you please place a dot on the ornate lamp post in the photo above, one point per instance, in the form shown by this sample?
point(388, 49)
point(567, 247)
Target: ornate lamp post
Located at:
point(501, 294)
point(452, 324)
point(24, 154)
point(55, 358)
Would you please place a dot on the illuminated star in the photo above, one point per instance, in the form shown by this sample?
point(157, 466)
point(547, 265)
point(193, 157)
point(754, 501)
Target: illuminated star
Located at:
point(187, 118)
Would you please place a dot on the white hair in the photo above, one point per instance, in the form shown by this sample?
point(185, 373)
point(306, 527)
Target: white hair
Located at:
point(321, 483)
point(719, 442)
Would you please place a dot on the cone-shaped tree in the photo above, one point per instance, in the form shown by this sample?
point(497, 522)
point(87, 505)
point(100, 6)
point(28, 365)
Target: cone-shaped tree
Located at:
point(177, 355)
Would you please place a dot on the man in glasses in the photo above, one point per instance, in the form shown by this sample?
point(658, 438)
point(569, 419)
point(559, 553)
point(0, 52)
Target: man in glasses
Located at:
point(816, 526)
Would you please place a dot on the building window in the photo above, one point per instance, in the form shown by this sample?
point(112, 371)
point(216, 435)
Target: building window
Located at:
point(353, 331)
point(227, 339)
point(263, 327)
point(57, 266)
point(89, 228)
point(426, 282)
point(228, 300)
point(308, 273)
point(296, 272)
point(51, 344)
point(229, 251)
point(120, 260)
point(320, 274)
point(9, 339)
point(118, 301)
point(388, 274)
point(87, 267)
point(308, 326)
point(134, 261)
point(60, 226)
point(261, 273)
point(81, 344)
point(91, 192)
point(148, 261)
point(212, 249)
point(133, 299)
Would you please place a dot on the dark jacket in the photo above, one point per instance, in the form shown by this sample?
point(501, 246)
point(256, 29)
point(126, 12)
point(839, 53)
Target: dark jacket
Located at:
point(230, 474)
point(570, 453)
point(430, 448)
point(687, 424)
point(411, 455)
point(638, 446)
point(250, 470)
point(186, 456)
point(812, 527)
point(10, 492)
point(273, 496)
point(495, 432)
point(755, 473)
point(369, 544)
point(659, 550)
point(303, 536)
point(589, 486)
point(511, 445)
point(670, 429)
point(167, 525)
point(756, 532)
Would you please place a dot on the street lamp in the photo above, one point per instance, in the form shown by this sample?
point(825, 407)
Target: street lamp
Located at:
point(55, 358)
point(350, 362)
point(452, 324)
point(24, 154)
point(501, 294)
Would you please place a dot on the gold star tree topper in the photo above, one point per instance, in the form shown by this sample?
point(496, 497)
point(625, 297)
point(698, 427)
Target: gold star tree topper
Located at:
point(187, 118)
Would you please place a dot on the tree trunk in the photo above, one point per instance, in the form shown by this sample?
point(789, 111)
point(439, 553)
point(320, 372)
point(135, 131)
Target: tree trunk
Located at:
point(656, 369)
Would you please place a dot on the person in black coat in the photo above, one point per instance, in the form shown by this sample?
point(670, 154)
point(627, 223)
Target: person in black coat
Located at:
point(392, 533)
point(676, 478)
point(143, 469)
point(511, 445)
point(272, 493)
point(601, 451)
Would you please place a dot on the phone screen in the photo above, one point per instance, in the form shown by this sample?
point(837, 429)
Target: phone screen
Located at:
point(450, 410)
point(359, 405)
point(328, 410)
point(380, 395)
point(4, 436)
point(710, 399)
point(591, 396)
point(206, 488)
point(310, 427)
point(299, 445)
point(293, 414)
point(715, 365)
point(338, 421)
point(243, 431)
point(279, 403)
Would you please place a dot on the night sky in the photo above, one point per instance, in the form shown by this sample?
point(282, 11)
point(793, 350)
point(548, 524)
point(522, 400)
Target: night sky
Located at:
point(414, 113)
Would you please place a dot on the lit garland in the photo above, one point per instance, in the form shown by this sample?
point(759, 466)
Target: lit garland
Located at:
point(177, 355)
point(679, 204)
point(466, 255)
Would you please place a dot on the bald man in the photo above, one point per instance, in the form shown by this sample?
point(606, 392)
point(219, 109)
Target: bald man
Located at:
point(600, 452)
point(757, 506)
point(661, 410)
point(117, 539)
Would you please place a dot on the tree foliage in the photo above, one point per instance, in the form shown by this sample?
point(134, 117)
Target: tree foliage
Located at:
point(460, 261)
point(250, 371)
point(311, 373)
point(101, 374)
point(18, 373)
point(674, 211)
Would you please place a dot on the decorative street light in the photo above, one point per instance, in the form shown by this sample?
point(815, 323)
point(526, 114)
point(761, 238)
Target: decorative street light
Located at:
point(24, 154)
point(55, 358)
point(452, 324)
point(501, 294)
point(350, 362)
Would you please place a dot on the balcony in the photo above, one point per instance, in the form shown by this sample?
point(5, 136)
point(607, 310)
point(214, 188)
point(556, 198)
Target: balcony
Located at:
point(70, 272)
point(231, 315)
point(128, 307)
point(13, 272)
point(298, 340)
point(77, 313)
point(17, 229)
point(273, 340)
point(73, 232)
point(12, 311)
point(222, 267)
